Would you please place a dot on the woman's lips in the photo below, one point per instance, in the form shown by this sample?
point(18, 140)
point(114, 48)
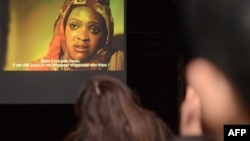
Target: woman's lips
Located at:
point(81, 48)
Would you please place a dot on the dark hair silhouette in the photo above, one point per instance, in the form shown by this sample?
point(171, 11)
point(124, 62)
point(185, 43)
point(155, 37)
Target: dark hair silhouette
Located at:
point(109, 111)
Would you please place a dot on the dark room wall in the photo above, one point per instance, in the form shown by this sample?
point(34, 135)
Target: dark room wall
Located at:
point(154, 38)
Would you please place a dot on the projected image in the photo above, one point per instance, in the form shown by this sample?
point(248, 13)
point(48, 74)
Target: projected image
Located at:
point(66, 35)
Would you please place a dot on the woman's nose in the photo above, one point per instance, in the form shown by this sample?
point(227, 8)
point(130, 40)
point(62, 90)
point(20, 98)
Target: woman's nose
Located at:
point(86, 39)
point(82, 35)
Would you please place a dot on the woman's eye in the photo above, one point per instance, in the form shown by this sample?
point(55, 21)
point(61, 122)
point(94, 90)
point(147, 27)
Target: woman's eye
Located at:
point(73, 26)
point(94, 29)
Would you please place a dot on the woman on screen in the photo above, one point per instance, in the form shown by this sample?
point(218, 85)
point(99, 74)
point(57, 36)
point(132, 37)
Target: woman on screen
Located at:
point(109, 111)
point(82, 39)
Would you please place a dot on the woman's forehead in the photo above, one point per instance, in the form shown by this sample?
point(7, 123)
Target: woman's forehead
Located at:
point(84, 12)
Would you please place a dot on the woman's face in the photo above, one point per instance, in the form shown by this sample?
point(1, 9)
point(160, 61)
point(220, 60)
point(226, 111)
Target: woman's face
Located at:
point(85, 33)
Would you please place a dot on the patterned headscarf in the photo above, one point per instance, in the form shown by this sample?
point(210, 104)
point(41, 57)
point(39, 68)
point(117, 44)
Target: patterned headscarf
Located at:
point(58, 42)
